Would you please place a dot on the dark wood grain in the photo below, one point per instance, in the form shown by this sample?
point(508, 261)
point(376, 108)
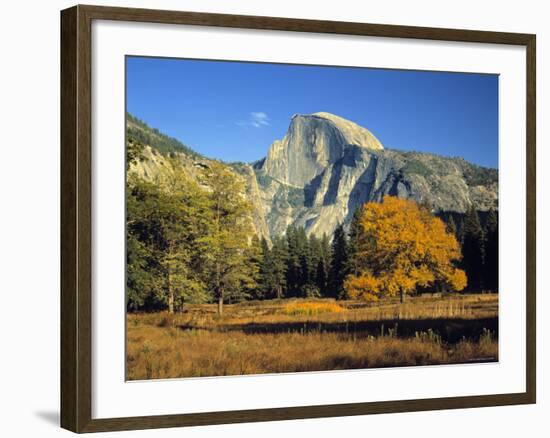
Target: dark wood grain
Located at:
point(76, 249)
point(299, 25)
point(76, 222)
point(531, 217)
point(69, 311)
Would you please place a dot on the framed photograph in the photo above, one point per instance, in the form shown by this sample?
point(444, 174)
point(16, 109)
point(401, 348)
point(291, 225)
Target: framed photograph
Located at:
point(269, 218)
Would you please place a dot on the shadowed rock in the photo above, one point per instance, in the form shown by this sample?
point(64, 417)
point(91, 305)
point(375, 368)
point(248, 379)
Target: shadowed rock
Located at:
point(333, 165)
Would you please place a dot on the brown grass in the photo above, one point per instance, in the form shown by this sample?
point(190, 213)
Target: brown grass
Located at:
point(265, 337)
point(311, 308)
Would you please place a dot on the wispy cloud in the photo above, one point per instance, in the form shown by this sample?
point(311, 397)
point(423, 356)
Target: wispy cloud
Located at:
point(257, 119)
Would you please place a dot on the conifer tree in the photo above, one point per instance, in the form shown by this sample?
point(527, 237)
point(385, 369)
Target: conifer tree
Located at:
point(266, 282)
point(339, 263)
point(321, 278)
point(491, 251)
point(355, 235)
point(323, 266)
point(325, 248)
point(473, 250)
point(251, 283)
point(279, 255)
point(305, 280)
point(451, 225)
point(316, 274)
point(293, 271)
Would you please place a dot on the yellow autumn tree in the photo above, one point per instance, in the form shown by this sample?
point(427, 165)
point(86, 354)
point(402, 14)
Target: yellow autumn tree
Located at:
point(403, 247)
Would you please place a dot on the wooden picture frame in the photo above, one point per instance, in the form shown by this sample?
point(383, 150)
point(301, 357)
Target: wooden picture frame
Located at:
point(76, 217)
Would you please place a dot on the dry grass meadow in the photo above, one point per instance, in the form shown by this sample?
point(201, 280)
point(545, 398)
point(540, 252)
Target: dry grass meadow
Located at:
point(312, 335)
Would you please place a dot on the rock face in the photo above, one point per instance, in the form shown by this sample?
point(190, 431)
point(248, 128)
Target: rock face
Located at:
point(312, 143)
point(326, 166)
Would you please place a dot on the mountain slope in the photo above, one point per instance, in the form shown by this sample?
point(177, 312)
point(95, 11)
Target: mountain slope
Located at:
point(137, 130)
point(326, 166)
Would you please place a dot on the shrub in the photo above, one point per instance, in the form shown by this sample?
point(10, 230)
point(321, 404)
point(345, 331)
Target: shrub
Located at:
point(312, 308)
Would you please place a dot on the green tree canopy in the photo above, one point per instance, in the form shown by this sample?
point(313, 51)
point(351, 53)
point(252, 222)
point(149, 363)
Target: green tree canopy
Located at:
point(229, 236)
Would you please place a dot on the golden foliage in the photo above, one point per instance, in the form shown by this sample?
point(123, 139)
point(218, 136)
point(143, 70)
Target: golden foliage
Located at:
point(458, 279)
point(364, 287)
point(403, 247)
point(311, 308)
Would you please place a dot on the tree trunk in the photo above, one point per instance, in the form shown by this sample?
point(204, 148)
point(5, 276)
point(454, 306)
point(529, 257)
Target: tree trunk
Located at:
point(171, 301)
point(170, 294)
point(220, 305)
point(401, 296)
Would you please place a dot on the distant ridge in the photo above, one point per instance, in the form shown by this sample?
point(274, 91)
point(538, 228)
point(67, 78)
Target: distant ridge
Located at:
point(140, 131)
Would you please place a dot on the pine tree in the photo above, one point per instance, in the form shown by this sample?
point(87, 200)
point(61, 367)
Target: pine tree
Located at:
point(340, 263)
point(279, 256)
point(266, 282)
point(451, 225)
point(355, 235)
point(323, 266)
point(252, 282)
point(305, 279)
point(473, 250)
point(459, 222)
point(321, 278)
point(273, 266)
point(491, 251)
point(293, 272)
point(325, 248)
point(317, 276)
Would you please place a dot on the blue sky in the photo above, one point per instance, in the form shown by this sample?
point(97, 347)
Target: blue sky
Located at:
point(234, 110)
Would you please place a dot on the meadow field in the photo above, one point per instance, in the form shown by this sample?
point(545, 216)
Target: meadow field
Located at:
point(293, 335)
